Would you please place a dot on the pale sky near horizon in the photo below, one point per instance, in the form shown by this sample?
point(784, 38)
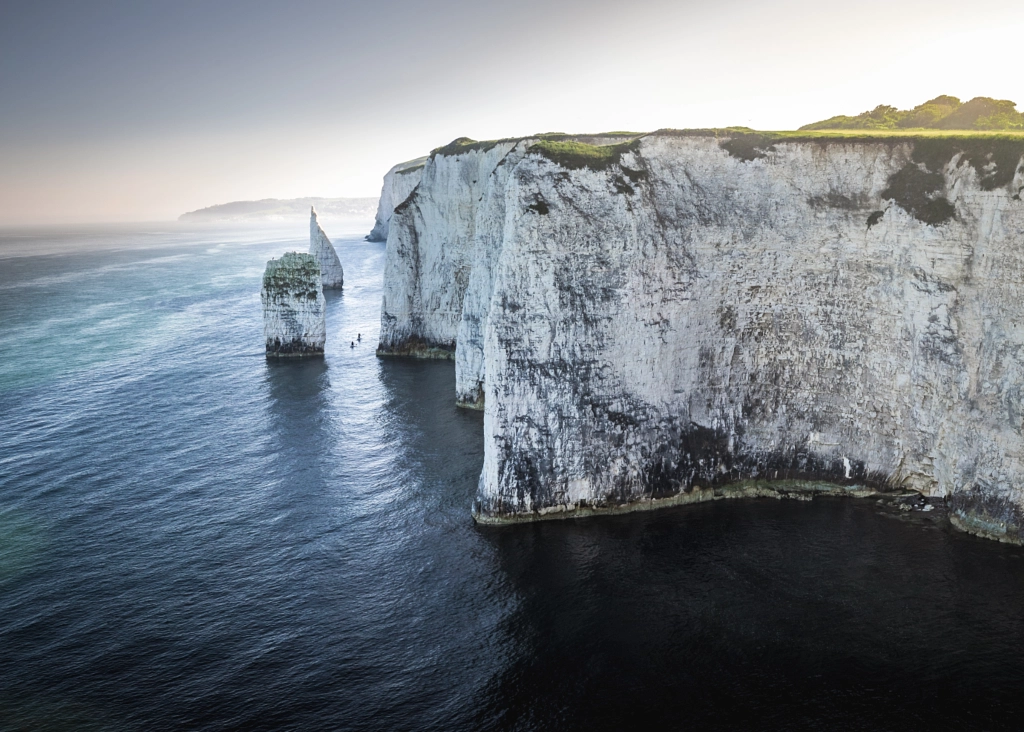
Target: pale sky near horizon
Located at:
point(128, 111)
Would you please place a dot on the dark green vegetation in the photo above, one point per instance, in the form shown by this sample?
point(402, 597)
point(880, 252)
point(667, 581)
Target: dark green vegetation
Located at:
point(995, 159)
point(740, 142)
point(748, 146)
point(461, 145)
point(920, 192)
point(417, 347)
point(294, 273)
point(576, 155)
point(941, 113)
point(994, 156)
point(977, 512)
point(919, 187)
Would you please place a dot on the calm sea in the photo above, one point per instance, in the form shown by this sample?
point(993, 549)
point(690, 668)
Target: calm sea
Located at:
point(192, 537)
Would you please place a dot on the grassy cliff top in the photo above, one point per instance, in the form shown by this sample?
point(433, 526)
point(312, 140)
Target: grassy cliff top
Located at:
point(748, 144)
point(463, 145)
point(580, 151)
point(995, 156)
point(843, 135)
point(993, 153)
point(574, 155)
point(942, 117)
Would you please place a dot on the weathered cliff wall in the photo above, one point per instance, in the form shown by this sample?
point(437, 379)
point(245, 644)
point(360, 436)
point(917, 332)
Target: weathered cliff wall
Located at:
point(689, 311)
point(441, 236)
point(331, 273)
point(430, 252)
point(294, 309)
point(399, 182)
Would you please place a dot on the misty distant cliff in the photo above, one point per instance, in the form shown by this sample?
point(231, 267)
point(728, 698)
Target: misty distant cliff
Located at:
point(280, 209)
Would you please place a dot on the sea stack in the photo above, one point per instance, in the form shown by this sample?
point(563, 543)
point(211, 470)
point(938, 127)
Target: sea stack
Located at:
point(332, 275)
point(294, 322)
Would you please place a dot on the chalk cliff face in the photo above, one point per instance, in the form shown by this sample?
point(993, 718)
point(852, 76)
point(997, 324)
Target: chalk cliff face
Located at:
point(294, 320)
point(399, 182)
point(430, 253)
point(689, 312)
point(444, 235)
point(331, 272)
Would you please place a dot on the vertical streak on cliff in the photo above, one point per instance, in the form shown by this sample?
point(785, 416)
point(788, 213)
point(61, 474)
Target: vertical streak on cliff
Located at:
point(331, 272)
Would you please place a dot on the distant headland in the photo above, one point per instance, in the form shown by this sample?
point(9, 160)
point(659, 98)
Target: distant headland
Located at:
point(276, 209)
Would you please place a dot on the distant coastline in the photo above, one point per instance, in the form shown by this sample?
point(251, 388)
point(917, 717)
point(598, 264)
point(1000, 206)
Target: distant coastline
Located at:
point(276, 209)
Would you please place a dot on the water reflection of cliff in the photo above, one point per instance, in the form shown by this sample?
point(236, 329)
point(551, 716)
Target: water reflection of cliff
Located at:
point(441, 440)
point(298, 393)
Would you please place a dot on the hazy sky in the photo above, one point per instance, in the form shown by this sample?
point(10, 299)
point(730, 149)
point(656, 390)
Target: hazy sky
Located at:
point(120, 111)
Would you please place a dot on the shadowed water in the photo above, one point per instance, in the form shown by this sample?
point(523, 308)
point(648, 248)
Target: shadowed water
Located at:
point(192, 537)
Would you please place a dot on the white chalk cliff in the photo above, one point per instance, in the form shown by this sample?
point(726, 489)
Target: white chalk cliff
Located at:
point(443, 235)
point(648, 322)
point(294, 309)
point(332, 275)
point(399, 182)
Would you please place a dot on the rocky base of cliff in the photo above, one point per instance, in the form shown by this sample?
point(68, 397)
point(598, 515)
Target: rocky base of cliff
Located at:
point(907, 505)
point(418, 348)
point(473, 399)
point(987, 515)
point(294, 348)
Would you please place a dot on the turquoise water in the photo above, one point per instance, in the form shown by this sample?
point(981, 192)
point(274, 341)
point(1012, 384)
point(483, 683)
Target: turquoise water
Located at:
point(192, 537)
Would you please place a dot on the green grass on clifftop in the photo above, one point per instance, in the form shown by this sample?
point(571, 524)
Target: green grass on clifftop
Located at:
point(748, 144)
point(576, 155)
point(462, 145)
point(918, 187)
point(851, 135)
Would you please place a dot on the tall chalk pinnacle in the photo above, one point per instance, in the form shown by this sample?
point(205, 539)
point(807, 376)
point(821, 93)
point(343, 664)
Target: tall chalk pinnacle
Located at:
point(320, 247)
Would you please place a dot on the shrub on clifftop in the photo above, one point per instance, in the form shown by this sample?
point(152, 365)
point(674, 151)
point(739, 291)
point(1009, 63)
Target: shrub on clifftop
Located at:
point(941, 113)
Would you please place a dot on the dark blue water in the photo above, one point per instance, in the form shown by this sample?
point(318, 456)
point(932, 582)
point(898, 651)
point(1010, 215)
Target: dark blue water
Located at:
point(194, 538)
